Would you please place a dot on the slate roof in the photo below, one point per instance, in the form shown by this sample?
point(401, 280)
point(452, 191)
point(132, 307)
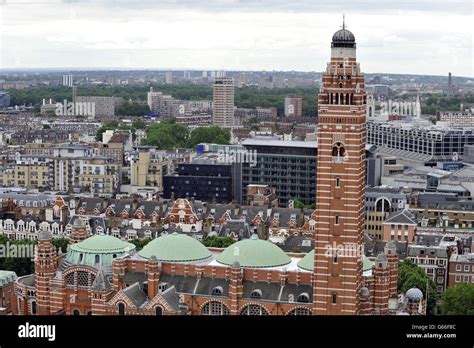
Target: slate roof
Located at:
point(403, 217)
point(136, 295)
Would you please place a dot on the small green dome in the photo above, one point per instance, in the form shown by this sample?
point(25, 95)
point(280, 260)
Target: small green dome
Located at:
point(175, 248)
point(99, 249)
point(307, 262)
point(254, 253)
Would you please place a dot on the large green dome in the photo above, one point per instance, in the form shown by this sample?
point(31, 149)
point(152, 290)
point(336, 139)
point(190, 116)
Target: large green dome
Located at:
point(254, 253)
point(175, 248)
point(307, 262)
point(99, 249)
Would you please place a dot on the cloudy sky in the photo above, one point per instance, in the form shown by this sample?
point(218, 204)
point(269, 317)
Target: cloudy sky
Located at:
point(402, 36)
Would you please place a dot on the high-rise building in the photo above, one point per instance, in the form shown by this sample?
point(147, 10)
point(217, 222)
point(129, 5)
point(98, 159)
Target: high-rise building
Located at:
point(169, 77)
point(223, 106)
point(340, 182)
point(68, 80)
point(293, 106)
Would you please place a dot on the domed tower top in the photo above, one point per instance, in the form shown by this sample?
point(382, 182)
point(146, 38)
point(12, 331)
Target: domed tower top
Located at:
point(343, 37)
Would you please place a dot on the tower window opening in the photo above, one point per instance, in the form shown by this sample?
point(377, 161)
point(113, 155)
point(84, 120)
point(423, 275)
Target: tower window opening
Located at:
point(336, 219)
point(338, 182)
point(334, 298)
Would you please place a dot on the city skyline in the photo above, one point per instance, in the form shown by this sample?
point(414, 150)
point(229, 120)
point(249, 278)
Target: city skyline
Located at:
point(395, 37)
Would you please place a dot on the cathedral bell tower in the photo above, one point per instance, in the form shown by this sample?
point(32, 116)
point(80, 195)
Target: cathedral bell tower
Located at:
point(340, 182)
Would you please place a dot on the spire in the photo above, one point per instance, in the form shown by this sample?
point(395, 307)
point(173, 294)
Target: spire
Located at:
point(343, 21)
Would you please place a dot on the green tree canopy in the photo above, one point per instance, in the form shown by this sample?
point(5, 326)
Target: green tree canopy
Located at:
point(215, 135)
point(218, 242)
point(459, 300)
point(412, 276)
point(133, 109)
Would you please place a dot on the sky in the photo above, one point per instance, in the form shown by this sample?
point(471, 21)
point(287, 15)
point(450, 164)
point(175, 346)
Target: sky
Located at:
point(431, 37)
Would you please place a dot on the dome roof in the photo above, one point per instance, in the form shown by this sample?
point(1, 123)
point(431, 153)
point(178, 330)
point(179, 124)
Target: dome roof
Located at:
point(343, 35)
point(307, 262)
point(102, 243)
point(254, 253)
point(414, 294)
point(98, 250)
point(175, 248)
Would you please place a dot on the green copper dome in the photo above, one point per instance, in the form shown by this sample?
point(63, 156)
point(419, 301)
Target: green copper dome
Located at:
point(254, 253)
point(97, 250)
point(175, 248)
point(307, 262)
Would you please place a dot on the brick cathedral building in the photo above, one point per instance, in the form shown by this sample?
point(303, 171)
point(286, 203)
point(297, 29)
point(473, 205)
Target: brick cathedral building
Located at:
point(176, 275)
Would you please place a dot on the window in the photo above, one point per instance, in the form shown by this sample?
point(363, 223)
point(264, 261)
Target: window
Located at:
point(214, 308)
point(76, 312)
point(217, 291)
point(121, 309)
point(466, 268)
point(304, 297)
point(97, 259)
point(33, 307)
point(458, 278)
point(158, 310)
point(458, 268)
point(256, 294)
point(336, 219)
point(334, 298)
point(338, 182)
point(300, 311)
point(254, 309)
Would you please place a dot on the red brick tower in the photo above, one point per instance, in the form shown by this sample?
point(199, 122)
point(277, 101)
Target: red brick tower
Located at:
point(392, 256)
point(79, 231)
point(236, 288)
point(340, 181)
point(153, 269)
point(381, 284)
point(45, 267)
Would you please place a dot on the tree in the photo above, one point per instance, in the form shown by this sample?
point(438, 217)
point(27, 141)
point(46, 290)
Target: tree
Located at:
point(459, 300)
point(412, 276)
point(167, 135)
point(218, 242)
point(140, 243)
point(20, 265)
point(133, 109)
point(61, 243)
point(213, 135)
point(138, 124)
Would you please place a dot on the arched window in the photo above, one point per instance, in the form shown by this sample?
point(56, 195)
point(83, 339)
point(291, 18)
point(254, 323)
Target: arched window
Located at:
point(81, 256)
point(300, 311)
point(76, 312)
point(97, 259)
point(158, 310)
point(336, 219)
point(304, 297)
point(33, 307)
point(253, 309)
point(338, 150)
point(334, 298)
point(217, 291)
point(121, 309)
point(338, 182)
point(256, 294)
point(214, 308)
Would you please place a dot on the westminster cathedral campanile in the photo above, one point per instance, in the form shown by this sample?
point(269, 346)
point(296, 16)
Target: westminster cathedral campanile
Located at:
point(340, 182)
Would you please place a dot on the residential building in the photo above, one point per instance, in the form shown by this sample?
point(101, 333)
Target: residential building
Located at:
point(223, 102)
point(293, 106)
point(461, 269)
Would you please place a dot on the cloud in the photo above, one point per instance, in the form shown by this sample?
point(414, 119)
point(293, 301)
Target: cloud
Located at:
point(392, 36)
